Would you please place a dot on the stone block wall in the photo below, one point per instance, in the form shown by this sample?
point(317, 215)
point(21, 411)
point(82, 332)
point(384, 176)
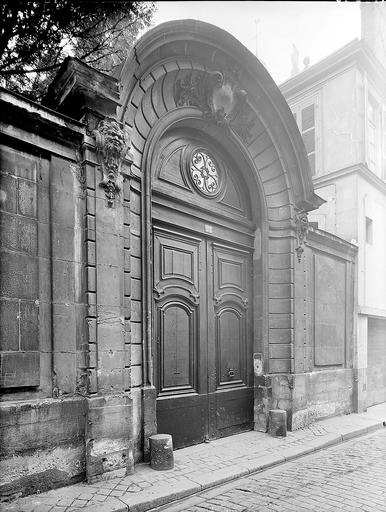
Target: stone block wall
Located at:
point(70, 268)
point(42, 445)
point(322, 384)
point(42, 303)
point(24, 243)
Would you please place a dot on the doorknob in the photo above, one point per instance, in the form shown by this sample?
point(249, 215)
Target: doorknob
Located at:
point(231, 373)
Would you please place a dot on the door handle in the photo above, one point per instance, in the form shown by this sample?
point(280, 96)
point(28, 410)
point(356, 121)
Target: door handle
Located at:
point(231, 373)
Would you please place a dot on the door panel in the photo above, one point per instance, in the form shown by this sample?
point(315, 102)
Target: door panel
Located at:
point(231, 300)
point(179, 336)
point(177, 346)
point(234, 411)
point(230, 334)
point(186, 419)
point(203, 337)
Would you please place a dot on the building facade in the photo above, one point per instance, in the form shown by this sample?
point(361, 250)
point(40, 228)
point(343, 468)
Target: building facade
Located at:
point(340, 107)
point(158, 270)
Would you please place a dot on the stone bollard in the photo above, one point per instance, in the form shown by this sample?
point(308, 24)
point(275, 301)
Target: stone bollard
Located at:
point(277, 425)
point(161, 452)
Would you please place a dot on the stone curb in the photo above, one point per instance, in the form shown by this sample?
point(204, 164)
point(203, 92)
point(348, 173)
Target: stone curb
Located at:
point(198, 482)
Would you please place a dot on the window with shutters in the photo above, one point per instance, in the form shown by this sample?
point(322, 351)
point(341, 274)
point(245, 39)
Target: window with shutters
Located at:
point(376, 137)
point(306, 116)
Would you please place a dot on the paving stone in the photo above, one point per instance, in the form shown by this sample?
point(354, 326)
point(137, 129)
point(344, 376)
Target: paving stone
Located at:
point(209, 478)
point(159, 495)
point(110, 505)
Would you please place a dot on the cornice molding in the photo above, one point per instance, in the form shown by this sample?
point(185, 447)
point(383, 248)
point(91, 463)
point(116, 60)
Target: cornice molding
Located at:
point(370, 311)
point(78, 88)
point(361, 169)
point(356, 52)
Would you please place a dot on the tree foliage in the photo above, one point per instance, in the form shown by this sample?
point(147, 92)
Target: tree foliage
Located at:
point(36, 35)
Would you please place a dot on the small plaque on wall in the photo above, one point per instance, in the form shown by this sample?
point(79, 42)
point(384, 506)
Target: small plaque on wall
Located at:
point(258, 364)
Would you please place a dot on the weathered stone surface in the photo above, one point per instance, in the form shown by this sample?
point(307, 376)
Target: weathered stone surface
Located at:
point(321, 394)
point(37, 483)
point(277, 425)
point(22, 278)
point(108, 436)
point(136, 376)
point(39, 425)
point(19, 234)
point(8, 187)
point(18, 369)
point(19, 163)
point(281, 351)
point(9, 321)
point(26, 200)
point(29, 327)
point(330, 310)
point(161, 452)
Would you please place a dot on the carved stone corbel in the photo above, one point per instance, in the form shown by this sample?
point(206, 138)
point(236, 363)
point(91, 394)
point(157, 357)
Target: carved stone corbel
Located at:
point(112, 143)
point(301, 222)
point(219, 97)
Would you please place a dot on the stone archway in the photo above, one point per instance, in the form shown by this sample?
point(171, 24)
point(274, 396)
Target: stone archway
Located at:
point(188, 68)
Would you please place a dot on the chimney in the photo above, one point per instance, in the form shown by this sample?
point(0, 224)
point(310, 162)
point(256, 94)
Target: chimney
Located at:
point(373, 28)
point(295, 61)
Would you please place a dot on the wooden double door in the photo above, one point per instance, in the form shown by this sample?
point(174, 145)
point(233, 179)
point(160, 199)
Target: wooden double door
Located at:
point(203, 335)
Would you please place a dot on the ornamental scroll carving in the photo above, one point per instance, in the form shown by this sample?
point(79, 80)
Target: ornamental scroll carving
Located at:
point(219, 96)
point(112, 143)
point(302, 225)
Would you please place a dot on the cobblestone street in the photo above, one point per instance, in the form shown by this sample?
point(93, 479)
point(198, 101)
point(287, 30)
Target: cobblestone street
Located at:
point(349, 477)
point(213, 474)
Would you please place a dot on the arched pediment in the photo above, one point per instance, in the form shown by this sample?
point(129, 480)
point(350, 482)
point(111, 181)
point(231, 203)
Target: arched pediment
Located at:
point(191, 64)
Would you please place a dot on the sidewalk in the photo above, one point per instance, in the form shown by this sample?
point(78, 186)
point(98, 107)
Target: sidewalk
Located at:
point(200, 467)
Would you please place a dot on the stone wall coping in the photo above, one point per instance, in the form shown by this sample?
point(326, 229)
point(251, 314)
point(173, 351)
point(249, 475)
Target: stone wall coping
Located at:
point(346, 249)
point(18, 100)
point(360, 168)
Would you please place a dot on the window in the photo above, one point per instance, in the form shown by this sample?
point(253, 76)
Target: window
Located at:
point(305, 114)
point(376, 137)
point(369, 230)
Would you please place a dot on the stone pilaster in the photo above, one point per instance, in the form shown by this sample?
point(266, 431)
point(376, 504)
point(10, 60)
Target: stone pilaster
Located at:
point(92, 97)
point(109, 426)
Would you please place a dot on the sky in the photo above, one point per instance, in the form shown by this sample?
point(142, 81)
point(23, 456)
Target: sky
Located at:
point(316, 28)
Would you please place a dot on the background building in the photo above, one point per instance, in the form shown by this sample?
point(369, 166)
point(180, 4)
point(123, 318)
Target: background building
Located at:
point(340, 107)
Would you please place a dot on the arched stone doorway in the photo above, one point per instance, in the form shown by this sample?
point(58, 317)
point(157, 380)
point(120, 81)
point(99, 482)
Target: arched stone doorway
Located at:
point(189, 89)
point(203, 231)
